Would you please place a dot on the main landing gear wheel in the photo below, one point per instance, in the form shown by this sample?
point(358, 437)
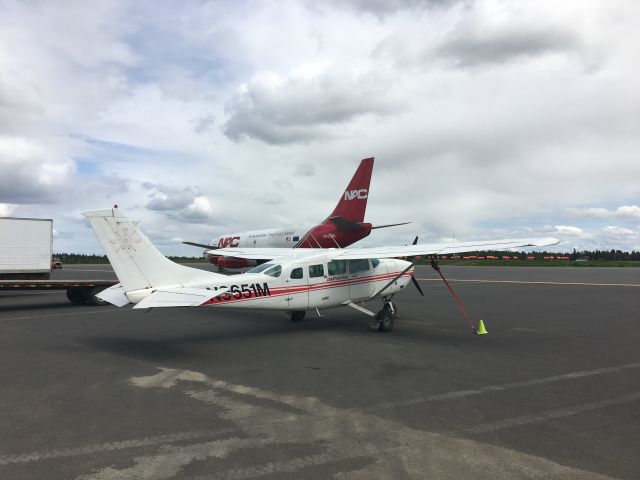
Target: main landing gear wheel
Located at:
point(386, 320)
point(297, 316)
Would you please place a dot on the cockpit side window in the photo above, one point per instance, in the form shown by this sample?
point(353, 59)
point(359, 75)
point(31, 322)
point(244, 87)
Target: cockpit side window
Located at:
point(337, 267)
point(360, 265)
point(375, 262)
point(297, 273)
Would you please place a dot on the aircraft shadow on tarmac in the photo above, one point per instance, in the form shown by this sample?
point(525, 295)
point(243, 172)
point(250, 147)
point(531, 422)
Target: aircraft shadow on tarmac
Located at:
point(173, 347)
point(180, 346)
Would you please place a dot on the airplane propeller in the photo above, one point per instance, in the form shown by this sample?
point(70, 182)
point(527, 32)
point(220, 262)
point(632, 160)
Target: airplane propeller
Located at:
point(417, 285)
point(413, 279)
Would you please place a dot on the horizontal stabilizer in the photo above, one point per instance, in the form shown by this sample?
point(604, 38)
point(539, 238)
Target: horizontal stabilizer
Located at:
point(201, 245)
point(179, 297)
point(114, 295)
point(345, 225)
point(390, 225)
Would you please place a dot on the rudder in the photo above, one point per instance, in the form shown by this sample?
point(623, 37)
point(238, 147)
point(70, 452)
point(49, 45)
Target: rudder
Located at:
point(353, 202)
point(135, 260)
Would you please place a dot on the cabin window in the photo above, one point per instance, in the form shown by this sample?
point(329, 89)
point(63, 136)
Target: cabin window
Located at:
point(356, 266)
point(337, 267)
point(316, 271)
point(375, 262)
point(297, 273)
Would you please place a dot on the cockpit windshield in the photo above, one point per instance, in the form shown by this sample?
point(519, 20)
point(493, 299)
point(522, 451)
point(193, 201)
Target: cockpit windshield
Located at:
point(271, 269)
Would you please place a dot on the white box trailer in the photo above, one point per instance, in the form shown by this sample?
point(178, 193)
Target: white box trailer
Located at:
point(26, 247)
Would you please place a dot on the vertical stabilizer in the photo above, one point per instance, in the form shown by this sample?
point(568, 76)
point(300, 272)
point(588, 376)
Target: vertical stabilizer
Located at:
point(136, 262)
point(353, 202)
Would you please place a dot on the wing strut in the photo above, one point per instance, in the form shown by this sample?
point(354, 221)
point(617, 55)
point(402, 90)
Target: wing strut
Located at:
point(435, 266)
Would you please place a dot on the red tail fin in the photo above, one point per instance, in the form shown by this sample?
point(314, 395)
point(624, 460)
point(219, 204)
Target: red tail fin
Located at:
point(353, 201)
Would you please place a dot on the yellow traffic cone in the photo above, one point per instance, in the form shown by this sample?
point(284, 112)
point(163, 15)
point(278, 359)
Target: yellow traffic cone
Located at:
point(481, 330)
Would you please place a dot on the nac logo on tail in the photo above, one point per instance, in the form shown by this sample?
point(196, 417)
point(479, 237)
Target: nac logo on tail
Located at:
point(359, 194)
point(225, 242)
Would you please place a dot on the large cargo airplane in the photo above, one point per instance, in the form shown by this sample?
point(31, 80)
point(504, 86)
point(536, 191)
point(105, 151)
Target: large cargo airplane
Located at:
point(293, 281)
point(342, 228)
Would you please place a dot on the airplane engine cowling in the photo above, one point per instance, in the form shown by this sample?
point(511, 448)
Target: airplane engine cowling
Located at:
point(232, 262)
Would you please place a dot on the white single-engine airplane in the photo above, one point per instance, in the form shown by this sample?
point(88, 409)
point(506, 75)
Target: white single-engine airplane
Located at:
point(293, 281)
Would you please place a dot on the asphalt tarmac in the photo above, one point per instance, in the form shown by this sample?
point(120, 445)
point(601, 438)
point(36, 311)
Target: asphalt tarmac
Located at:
point(553, 391)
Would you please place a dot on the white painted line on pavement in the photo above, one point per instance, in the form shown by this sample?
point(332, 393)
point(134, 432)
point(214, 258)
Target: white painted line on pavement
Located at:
point(505, 386)
point(550, 414)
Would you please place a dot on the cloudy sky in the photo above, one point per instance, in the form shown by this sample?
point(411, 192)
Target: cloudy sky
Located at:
point(487, 118)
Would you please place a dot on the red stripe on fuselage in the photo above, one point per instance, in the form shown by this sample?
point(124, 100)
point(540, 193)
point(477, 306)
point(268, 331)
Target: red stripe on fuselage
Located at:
point(281, 291)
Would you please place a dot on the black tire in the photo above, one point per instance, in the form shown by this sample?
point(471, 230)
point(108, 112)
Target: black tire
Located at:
point(386, 319)
point(297, 316)
point(93, 300)
point(77, 295)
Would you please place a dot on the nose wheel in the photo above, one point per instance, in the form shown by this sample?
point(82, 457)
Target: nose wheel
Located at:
point(385, 318)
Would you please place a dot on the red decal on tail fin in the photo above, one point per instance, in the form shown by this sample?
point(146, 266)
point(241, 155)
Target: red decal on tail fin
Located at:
point(353, 201)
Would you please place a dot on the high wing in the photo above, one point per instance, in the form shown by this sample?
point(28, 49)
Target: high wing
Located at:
point(442, 248)
point(388, 251)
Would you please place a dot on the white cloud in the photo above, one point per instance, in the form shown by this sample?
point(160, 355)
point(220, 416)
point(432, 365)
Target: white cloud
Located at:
point(6, 209)
point(31, 173)
point(613, 230)
point(623, 212)
point(305, 103)
point(485, 117)
point(200, 209)
point(571, 231)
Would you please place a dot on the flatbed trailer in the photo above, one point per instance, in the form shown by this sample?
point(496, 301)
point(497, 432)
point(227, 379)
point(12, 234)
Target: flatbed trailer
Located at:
point(78, 291)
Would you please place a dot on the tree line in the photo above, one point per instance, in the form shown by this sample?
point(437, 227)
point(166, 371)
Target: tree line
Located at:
point(72, 258)
point(574, 255)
